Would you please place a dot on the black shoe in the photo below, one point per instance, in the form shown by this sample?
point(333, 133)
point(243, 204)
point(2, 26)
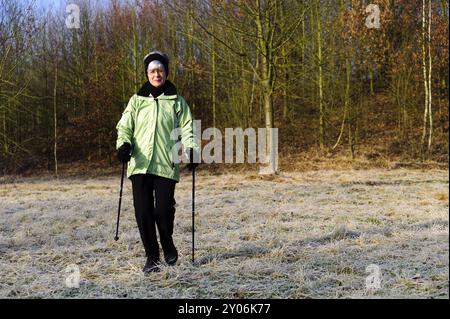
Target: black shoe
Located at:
point(171, 256)
point(171, 259)
point(170, 252)
point(152, 265)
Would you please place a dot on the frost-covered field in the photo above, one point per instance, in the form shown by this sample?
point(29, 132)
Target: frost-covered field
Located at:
point(298, 235)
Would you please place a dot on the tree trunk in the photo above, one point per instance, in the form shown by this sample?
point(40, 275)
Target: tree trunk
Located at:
point(266, 84)
point(427, 69)
point(320, 77)
point(5, 140)
point(424, 69)
point(430, 92)
point(346, 102)
point(213, 77)
point(135, 50)
point(55, 148)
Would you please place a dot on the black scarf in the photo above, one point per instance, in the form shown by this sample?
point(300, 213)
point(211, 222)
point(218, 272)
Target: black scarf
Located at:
point(167, 88)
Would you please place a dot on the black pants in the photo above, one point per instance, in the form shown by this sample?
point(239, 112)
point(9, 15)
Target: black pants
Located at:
point(154, 209)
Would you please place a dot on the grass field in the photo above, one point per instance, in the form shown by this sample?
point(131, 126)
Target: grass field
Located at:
point(297, 235)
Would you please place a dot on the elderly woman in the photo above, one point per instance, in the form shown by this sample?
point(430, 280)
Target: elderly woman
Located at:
point(144, 141)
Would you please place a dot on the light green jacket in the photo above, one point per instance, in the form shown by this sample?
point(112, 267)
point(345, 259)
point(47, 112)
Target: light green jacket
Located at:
point(147, 124)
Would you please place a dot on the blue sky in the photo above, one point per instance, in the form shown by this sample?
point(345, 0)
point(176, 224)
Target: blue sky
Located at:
point(49, 3)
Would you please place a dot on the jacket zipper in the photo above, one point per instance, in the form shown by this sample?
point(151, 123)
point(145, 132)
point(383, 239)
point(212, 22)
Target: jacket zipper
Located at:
point(170, 153)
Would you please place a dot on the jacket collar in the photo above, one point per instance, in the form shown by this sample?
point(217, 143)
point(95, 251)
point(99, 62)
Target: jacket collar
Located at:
point(170, 91)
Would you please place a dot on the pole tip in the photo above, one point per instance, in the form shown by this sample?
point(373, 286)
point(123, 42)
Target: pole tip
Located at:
point(116, 238)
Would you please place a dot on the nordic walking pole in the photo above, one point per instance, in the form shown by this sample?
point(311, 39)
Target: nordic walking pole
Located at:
point(120, 202)
point(193, 213)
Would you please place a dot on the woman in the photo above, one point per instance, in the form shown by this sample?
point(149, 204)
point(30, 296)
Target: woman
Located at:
point(144, 141)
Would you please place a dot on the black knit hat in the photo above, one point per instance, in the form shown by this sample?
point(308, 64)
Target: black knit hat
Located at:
point(159, 56)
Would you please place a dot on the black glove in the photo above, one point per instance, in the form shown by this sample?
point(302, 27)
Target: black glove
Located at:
point(123, 153)
point(191, 165)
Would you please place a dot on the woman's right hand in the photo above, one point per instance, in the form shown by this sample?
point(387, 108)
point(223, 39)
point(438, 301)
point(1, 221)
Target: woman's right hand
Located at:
point(123, 153)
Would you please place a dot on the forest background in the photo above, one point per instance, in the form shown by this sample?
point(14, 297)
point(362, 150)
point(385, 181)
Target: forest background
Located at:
point(359, 83)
